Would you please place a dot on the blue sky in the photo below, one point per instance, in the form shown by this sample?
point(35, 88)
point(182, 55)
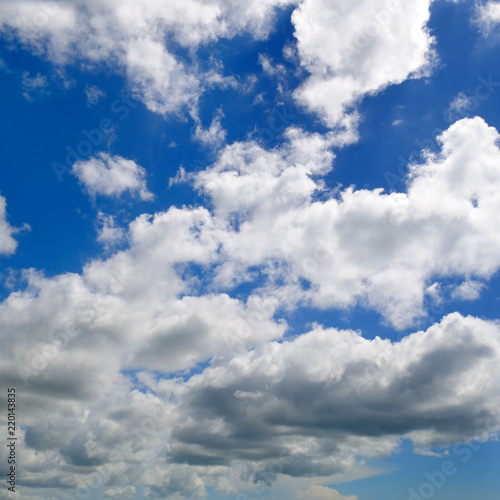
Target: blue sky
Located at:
point(250, 250)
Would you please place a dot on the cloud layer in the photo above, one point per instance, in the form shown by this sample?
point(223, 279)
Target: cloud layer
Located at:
point(230, 399)
point(167, 366)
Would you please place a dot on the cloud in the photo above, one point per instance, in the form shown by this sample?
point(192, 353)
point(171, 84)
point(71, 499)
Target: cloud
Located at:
point(271, 69)
point(34, 87)
point(283, 407)
point(126, 492)
point(151, 368)
point(317, 491)
point(429, 453)
point(372, 44)
point(488, 15)
point(461, 106)
point(119, 34)
point(312, 417)
point(358, 247)
point(93, 95)
point(158, 79)
point(216, 383)
point(112, 176)
point(468, 290)
point(8, 244)
point(109, 233)
point(215, 135)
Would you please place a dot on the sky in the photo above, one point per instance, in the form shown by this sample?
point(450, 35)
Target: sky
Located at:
point(250, 249)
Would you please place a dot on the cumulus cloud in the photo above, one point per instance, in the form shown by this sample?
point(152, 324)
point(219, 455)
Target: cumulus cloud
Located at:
point(283, 407)
point(363, 247)
point(150, 368)
point(112, 176)
point(150, 337)
point(424, 388)
point(371, 44)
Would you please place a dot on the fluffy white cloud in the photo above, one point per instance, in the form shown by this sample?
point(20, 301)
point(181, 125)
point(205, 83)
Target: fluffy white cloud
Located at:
point(371, 44)
point(79, 339)
point(112, 176)
point(359, 246)
point(158, 78)
point(258, 404)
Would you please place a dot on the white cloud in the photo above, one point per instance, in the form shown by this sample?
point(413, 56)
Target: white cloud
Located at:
point(157, 78)
point(468, 290)
point(460, 107)
point(488, 15)
point(429, 453)
point(130, 38)
point(8, 244)
point(126, 492)
point(281, 401)
point(112, 176)
point(359, 247)
point(108, 232)
point(145, 317)
point(271, 69)
point(93, 95)
point(317, 491)
point(34, 87)
point(215, 135)
point(371, 44)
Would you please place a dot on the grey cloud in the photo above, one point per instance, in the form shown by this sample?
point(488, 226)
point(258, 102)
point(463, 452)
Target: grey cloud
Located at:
point(419, 390)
